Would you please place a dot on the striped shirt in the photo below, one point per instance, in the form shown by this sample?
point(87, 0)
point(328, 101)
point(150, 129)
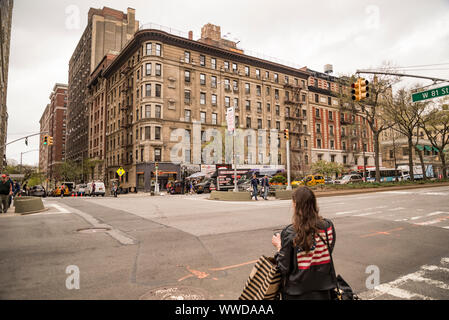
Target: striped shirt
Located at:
point(319, 253)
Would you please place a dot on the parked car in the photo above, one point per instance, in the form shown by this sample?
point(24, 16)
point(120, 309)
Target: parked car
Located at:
point(350, 178)
point(328, 180)
point(80, 189)
point(205, 186)
point(37, 191)
point(310, 180)
point(99, 189)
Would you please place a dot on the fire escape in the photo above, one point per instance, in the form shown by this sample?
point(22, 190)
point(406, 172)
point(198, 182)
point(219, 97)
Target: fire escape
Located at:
point(126, 116)
point(297, 118)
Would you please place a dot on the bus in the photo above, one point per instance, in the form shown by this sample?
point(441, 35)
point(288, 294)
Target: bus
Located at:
point(386, 175)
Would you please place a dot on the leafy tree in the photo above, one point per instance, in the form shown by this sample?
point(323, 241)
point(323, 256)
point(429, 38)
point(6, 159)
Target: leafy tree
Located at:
point(327, 168)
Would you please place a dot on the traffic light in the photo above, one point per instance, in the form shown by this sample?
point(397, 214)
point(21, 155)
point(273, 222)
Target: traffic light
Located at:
point(364, 89)
point(156, 165)
point(360, 89)
point(50, 140)
point(286, 134)
point(45, 140)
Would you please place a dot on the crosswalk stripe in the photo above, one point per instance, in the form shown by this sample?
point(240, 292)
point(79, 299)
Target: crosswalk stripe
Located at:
point(400, 293)
point(367, 214)
point(433, 268)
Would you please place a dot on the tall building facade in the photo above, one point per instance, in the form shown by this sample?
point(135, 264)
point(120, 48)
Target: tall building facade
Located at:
point(161, 83)
point(6, 7)
point(53, 123)
point(338, 134)
point(107, 30)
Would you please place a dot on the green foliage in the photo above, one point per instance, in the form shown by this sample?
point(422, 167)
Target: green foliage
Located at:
point(278, 179)
point(327, 168)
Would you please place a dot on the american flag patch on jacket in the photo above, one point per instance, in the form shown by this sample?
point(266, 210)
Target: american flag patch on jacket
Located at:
point(319, 254)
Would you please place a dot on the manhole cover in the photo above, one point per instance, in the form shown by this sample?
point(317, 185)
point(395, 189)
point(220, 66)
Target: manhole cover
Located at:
point(93, 230)
point(175, 293)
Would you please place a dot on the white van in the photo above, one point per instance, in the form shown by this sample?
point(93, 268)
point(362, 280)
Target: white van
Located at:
point(99, 189)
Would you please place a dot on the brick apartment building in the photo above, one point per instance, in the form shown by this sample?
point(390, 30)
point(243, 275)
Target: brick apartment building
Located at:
point(338, 135)
point(54, 121)
point(108, 30)
point(161, 82)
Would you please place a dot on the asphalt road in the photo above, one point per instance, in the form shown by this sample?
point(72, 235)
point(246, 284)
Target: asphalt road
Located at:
point(192, 247)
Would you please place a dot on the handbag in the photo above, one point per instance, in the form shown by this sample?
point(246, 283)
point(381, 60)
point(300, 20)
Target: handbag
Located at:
point(264, 281)
point(342, 290)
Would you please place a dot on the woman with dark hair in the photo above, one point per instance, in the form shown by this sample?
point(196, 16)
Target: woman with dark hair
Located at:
point(303, 257)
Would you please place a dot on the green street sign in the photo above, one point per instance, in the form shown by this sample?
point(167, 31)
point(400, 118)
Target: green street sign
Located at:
point(430, 94)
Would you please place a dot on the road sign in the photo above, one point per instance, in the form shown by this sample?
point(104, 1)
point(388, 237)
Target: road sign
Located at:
point(120, 171)
point(430, 94)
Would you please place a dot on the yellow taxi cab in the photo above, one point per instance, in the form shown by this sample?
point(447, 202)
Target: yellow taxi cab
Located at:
point(310, 180)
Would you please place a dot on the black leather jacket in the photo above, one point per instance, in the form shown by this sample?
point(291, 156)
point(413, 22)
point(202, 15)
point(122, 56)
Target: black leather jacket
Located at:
point(314, 274)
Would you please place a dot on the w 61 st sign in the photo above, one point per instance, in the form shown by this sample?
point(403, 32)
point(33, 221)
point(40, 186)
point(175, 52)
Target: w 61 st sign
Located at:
point(429, 94)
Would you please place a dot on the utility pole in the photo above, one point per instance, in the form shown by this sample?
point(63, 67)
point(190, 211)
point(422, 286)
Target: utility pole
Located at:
point(287, 146)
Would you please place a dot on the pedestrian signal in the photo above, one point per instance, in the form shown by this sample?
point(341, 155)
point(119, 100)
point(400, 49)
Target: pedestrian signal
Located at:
point(50, 140)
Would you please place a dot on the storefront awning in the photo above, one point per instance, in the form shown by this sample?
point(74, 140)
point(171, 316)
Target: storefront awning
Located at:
point(420, 147)
point(436, 149)
point(428, 148)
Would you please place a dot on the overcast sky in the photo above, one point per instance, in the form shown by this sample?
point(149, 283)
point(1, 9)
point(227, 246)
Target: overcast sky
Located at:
point(348, 34)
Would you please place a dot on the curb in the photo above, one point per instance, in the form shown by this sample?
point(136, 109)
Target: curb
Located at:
point(380, 189)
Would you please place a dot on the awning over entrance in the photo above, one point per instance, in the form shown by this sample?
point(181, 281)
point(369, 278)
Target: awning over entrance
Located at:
point(420, 147)
point(428, 148)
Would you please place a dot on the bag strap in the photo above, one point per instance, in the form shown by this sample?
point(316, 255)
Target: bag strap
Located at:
point(333, 274)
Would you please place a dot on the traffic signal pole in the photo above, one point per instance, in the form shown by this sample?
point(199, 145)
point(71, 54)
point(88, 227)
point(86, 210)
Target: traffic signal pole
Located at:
point(287, 144)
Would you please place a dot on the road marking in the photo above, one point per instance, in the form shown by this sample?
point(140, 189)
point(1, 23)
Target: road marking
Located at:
point(435, 213)
point(426, 223)
point(415, 218)
point(446, 227)
point(433, 268)
point(61, 209)
point(388, 232)
point(396, 209)
point(367, 214)
point(344, 212)
point(114, 233)
point(400, 293)
point(233, 266)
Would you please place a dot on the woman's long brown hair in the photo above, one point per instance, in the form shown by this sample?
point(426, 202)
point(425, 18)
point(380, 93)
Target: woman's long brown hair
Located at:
point(305, 217)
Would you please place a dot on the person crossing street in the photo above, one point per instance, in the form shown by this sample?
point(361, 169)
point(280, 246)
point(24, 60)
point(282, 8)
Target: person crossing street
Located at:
point(5, 193)
point(254, 184)
point(265, 186)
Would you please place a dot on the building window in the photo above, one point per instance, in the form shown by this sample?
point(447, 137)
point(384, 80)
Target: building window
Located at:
point(332, 144)
point(202, 79)
point(317, 113)
point(235, 85)
point(237, 121)
point(214, 118)
point(268, 107)
point(148, 49)
point(276, 78)
point(202, 98)
point(248, 105)
point(259, 123)
point(187, 96)
point(227, 102)
point(187, 76)
point(187, 115)
point(248, 122)
point(226, 65)
point(148, 90)
point(259, 106)
point(148, 69)
point(318, 128)
point(258, 90)
point(329, 100)
point(203, 117)
point(345, 159)
point(157, 155)
point(158, 111)
point(343, 146)
point(287, 111)
point(267, 91)
point(286, 79)
point(236, 103)
point(277, 110)
point(276, 94)
point(332, 158)
point(247, 88)
point(246, 71)
point(331, 130)
point(213, 63)
point(147, 133)
point(202, 61)
point(158, 49)
point(318, 144)
point(278, 125)
point(234, 67)
point(157, 133)
point(258, 73)
point(331, 115)
point(214, 99)
point(186, 56)
point(158, 90)
point(213, 82)
point(269, 124)
point(158, 70)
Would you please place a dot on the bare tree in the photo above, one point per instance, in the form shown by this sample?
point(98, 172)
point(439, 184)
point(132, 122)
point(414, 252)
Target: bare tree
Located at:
point(436, 126)
point(372, 108)
point(406, 115)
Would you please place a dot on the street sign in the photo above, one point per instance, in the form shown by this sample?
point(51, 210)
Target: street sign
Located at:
point(120, 171)
point(430, 94)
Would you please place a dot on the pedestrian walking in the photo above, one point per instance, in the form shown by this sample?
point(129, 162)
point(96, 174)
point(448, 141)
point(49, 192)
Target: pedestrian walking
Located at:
point(10, 197)
point(302, 254)
point(16, 188)
point(93, 188)
point(114, 190)
point(265, 186)
point(62, 191)
point(254, 184)
point(5, 192)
